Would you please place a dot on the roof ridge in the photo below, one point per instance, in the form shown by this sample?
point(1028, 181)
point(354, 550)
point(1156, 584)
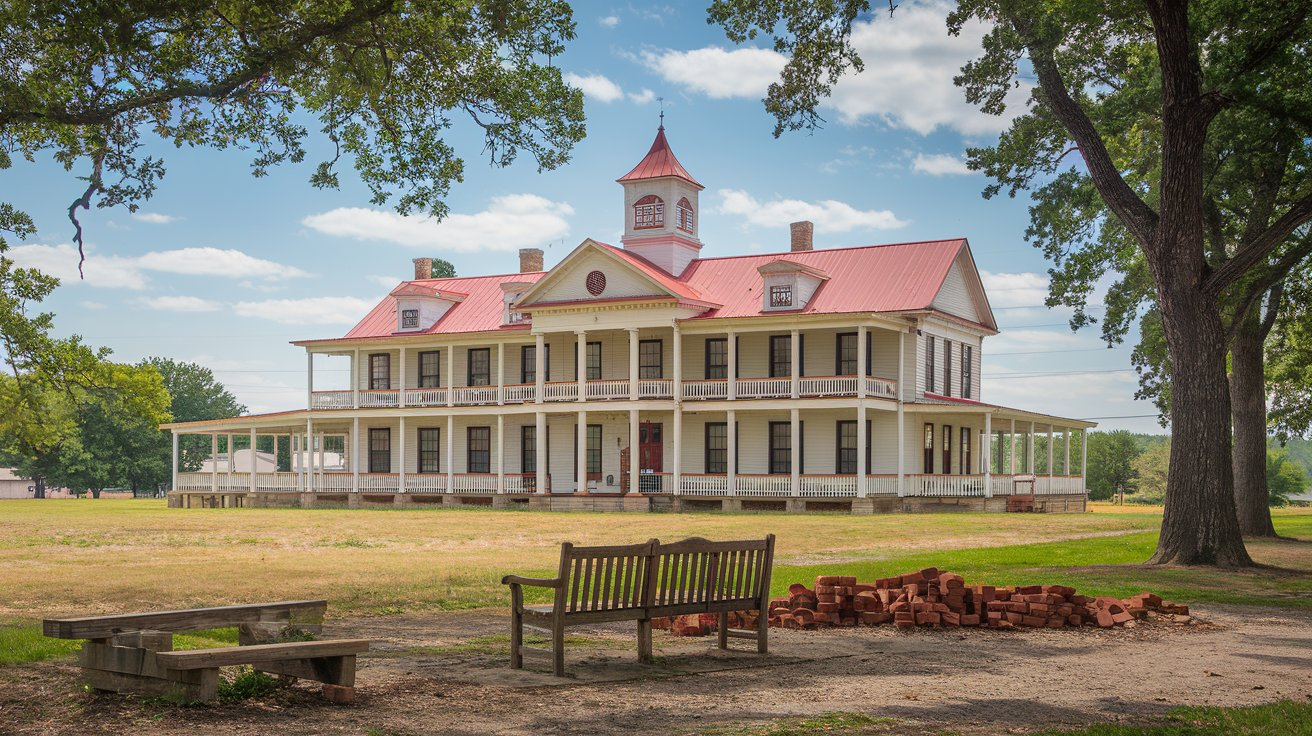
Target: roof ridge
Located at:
point(823, 250)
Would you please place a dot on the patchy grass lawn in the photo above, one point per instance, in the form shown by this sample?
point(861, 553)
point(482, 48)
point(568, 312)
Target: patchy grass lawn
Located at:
point(1282, 717)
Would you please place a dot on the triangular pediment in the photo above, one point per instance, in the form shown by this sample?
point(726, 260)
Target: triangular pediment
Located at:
point(594, 271)
point(962, 293)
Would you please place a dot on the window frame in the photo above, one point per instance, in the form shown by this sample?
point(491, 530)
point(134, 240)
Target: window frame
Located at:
point(931, 364)
point(486, 354)
point(644, 368)
point(385, 382)
point(437, 365)
point(839, 464)
point(929, 440)
point(966, 450)
point(592, 453)
point(779, 290)
point(407, 323)
point(948, 439)
point(839, 348)
point(528, 449)
point(649, 213)
point(708, 365)
point(707, 449)
point(947, 367)
point(483, 456)
point(380, 457)
point(787, 342)
point(684, 215)
point(967, 371)
point(592, 375)
point(429, 460)
point(528, 366)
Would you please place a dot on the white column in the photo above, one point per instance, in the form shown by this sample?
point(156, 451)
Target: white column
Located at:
point(501, 453)
point(501, 373)
point(731, 425)
point(295, 459)
point(582, 364)
point(1084, 458)
point(230, 459)
point(676, 468)
point(1050, 461)
point(400, 396)
point(309, 455)
point(253, 461)
point(174, 487)
point(732, 343)
point(901, 414)
point(540, 453)
point(633, 364)
point(581, 447)
point(539, 368)
point(450, 376)
point(214, 462)
point(1029, 451)
point(988, 455)
point(400, 456)
point(323, 466)
point(450, 453)
point(309, 380)
point(861, 363)
point(796, 360)
point(1066, 443)
point(678, 365)
point(355, 454)
point(1011, 447)
point(795, 449)
point(861, 439)
point(355, 384)
point(634, 466)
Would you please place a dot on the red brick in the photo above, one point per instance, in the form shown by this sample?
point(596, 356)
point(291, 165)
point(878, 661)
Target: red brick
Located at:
point(339, 694)
point(1035, 621)
point(969, 619)
point(1014, 618)
point(830, 580)
point(1104, 619)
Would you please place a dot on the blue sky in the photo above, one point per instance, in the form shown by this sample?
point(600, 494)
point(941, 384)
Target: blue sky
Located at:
point(225, 269)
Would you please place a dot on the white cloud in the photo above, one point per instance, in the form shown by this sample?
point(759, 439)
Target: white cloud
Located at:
point(387, 282)
point(595, 86)
point(216, 262)
point(60, 261)
point(319, 310)
point(609, 21)
point(829, 215)
point(94, 306)
point(940, 164)
point(910, 61)
point(154, 218)
point(1027, 289)
point(180, 304)
point(642, 98)
point(717, 72)
point(510, 222)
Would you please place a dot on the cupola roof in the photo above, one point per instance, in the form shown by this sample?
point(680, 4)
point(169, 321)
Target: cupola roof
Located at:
point(659, 161)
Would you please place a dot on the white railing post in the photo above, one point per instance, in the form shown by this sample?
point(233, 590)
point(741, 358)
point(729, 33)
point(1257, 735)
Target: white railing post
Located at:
point(796, 360)
point(861, 440)
point(539, 367)
point(581, 364)
point(988, 455)
point(634, 465)
point(678, 439)
point(633, 365)
point(731, 468)
point(732, 344)
point(540, 450)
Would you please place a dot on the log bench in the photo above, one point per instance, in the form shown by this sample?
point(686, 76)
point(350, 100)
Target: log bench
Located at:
point(644, 581)
point(134, 652)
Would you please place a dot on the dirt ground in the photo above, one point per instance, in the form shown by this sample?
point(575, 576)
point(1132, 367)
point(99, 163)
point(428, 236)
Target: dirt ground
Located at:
point(449, 674)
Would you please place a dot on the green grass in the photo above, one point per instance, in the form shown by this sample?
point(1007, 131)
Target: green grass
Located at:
point(247, 684)
point(828, 723)
point(1285, 718)
point(22, 642)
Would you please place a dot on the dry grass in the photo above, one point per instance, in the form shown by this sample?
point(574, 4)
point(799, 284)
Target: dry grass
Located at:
point(63, 557)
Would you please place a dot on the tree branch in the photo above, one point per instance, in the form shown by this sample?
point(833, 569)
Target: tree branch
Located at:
point(1259, 248)
point(1275, 274)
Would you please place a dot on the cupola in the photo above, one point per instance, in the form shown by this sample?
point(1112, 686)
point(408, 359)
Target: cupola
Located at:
point(660, 209)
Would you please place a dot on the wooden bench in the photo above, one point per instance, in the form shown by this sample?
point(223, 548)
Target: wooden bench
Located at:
point(644, 581)
point(134, 652)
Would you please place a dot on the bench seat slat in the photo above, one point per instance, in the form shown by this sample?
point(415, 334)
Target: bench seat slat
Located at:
point(194, 619)
point(258, 653)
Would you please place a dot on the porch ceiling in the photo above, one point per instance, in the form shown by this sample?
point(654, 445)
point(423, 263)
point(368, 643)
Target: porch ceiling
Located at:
point(1000, 413)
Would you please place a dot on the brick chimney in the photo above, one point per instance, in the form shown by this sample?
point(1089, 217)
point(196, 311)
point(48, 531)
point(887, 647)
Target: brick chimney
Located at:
point(530, 260)
point(802, 235)
point(423, 268)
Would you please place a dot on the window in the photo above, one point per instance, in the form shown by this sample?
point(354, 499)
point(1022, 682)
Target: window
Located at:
point(947, 449)
point(528, 363)
point(929, 449)
point(480, 449)
point(781, 356)
point(380, 450)
point(967, 370)
point(845, 354)
point(649, 212)
point(430, 455)
point(929, 364)
point(380, 371)
point(593, 358)
point(528, 449)
point(409, 319)
point(685, 221)
point(717, 357)
point(430, 369)
point(716, 452)
point(781, 295)
point(593, 451)
point(964, 456)
point(480, 367)
point(947, 368)
point(781, 447)
point(846, 447)
point(649, 359)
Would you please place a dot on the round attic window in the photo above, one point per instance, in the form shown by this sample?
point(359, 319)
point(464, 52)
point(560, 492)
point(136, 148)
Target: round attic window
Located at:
point(596, 283)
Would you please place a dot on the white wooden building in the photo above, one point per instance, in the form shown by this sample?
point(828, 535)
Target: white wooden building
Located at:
point(835, 379)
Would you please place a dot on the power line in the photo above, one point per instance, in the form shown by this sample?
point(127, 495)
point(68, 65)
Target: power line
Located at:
point(1056, 373)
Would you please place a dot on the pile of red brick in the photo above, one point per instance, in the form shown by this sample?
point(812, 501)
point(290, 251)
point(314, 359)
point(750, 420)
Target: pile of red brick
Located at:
point(701, 624)
point(933, 598)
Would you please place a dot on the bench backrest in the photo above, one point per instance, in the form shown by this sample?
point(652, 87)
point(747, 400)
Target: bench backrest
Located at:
point(698, 574)
point(604, 578)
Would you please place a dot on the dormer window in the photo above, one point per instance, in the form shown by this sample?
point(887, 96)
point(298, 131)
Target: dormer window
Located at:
point(781, 296)
point(409, 319)
point(685, 221)
point(649, 212)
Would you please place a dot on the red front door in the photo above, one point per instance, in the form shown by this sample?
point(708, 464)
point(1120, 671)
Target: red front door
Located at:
point(650, 441)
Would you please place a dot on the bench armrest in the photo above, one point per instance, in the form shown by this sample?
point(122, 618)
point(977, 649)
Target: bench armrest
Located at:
point(534, 582)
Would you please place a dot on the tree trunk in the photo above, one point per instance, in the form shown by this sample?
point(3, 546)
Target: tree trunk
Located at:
point(39, 487)
point(1248, 406)
point(1199, 525)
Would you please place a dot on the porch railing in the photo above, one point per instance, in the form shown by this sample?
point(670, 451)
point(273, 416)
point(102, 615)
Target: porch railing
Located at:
point(655, 482)
point(826, 385)
point(425, 482)
point(608, 389)
point(378, 482)
point(475, 483)
point(881, 485)
point(764, 388)
point(561, 391)
point(333, 400)
point(764, 485)
point(945, 486)
point(711, 388)
point(276, 482)
point(655, 388)
point(695, 484)
point(827, 486)
point(374, 398)
point(883, 388)
point(425, 396)
point(521, 393)
point(474, 395)
point(333, 482)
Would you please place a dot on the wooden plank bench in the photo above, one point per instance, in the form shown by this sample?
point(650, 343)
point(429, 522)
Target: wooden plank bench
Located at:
point(134, 652)
point(644, 581)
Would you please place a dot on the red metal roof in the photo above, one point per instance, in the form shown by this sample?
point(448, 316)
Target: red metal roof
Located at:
point(479, 312)
point(657, 274)
point(658, 162)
